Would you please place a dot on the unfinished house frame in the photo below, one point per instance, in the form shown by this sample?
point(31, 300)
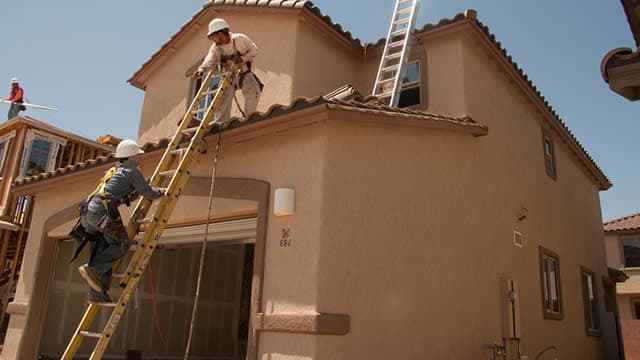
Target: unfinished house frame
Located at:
point(29, 147)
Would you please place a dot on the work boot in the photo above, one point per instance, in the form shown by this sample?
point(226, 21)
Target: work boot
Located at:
point(100, 298)
point(91, 277)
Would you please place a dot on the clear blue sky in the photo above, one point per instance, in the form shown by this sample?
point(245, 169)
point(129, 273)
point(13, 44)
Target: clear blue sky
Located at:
point(77, 56)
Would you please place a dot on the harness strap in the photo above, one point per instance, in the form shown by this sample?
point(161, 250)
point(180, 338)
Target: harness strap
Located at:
point(100, 190)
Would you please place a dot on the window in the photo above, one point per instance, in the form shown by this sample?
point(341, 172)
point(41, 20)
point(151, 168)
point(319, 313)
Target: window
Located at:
point(549, 155)
point(631, 251)
point(635, 307)
point(411, 86)
point(206, 101)
point(5, 140)
point(590, 299)
point(550, 283)
point(39, 153)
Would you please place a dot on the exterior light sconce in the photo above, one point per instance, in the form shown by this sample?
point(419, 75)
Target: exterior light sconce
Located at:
point(522, 213)
point(284, 202)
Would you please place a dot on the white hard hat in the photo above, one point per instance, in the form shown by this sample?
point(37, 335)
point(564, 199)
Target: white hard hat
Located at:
point(14, 80)
point(127, 148)
point(216, 25)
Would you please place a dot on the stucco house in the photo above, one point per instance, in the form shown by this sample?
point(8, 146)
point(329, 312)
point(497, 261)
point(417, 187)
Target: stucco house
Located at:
point(622, 241)
point(464, 223)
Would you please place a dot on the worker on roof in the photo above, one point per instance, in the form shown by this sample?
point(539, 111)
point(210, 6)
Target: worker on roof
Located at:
point(229, 48)
point(17, 99)
point(102, 222)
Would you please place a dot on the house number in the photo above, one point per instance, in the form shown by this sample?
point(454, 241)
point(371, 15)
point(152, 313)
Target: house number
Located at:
point(285, 239)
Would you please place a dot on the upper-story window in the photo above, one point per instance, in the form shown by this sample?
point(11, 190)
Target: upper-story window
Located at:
point(549, 155)
point(206, 101)
point(40, 152)
point(550, 282)
point(411, 92)
point(5, 140)
point(631, 252)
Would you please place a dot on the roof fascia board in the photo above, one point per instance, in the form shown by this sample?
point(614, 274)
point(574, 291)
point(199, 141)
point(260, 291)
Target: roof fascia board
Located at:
point(603, 183)
point(337, 112)
point(53, 130)
point(278, 124)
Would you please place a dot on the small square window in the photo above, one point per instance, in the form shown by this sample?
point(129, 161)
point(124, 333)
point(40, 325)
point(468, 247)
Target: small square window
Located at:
point(590, 300)
point(550, 284)
point(635, 307)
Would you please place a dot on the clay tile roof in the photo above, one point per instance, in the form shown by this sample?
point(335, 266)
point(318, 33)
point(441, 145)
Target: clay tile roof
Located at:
point(371, 105)
point(627, 223)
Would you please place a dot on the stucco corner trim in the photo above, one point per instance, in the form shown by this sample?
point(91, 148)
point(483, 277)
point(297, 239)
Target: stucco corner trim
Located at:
point(19, 308)
point(317, 324)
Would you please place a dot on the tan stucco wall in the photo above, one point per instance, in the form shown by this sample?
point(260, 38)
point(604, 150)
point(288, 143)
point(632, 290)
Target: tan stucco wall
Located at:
point(564, 214)
point(169, 89)
point(613, 247)
point(323, 61)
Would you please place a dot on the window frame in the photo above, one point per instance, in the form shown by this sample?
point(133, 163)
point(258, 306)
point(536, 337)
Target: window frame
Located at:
point(193, 91)
point(421, 83)
point(6, 141)
point(552, 168)
point(624, 259)
point(56, 143)
point(546, 313)
point(595, 331)
point(633, 300)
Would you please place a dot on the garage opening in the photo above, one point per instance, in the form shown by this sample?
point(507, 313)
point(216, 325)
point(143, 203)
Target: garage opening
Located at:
point(222, 321)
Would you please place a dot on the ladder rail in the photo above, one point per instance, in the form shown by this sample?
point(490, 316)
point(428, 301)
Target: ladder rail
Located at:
point(399, 27)
point(397, 87)
point(386, 49)
point(154, 229)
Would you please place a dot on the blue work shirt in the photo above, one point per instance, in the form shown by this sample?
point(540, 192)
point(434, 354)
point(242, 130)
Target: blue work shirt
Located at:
point(126, 179)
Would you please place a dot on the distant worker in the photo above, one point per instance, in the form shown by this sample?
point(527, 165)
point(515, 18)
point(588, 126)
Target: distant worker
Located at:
point(229, 48)
point(16, 98)
point(102, 222)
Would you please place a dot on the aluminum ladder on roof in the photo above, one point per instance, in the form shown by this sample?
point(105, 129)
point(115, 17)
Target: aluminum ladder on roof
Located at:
point(175, 154)
point(393, 63)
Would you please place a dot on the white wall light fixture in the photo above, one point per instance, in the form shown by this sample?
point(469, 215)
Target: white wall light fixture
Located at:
point(284, 202)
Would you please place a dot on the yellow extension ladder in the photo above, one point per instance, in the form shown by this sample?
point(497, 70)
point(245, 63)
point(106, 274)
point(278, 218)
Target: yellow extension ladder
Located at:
point(176, 153)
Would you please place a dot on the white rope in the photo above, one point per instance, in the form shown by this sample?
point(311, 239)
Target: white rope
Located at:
point(204, 243)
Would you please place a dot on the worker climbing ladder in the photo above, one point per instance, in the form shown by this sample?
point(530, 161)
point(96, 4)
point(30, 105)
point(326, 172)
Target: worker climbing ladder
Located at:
point(393, 63)
point(176, 153)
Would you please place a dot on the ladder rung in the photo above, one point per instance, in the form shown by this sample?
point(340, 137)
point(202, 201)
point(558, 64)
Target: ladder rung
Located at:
point(384, 81)
point(91, 334)
point(398, 33)
point(177, 152)
point(190, 131)
point(144, 220)
point(401, 21)
point(393, 56)
point(391, 68)
point(168, 173)
point(384, 95)
point(396, 44)
point(404, 11)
